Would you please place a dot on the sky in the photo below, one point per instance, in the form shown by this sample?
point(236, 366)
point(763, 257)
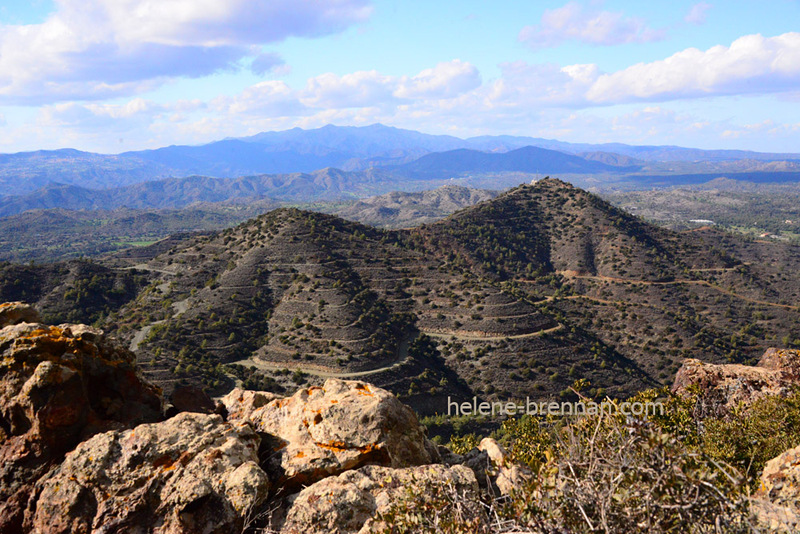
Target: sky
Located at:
point(116, 75)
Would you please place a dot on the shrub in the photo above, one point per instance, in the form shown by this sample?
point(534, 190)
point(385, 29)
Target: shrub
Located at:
point(602, 474)
point(442, 509)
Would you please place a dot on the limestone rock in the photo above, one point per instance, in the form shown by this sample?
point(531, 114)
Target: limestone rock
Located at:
point(241, 403)
point(323, 431)
point(350, 502)
point(58, 386)
point(724, 386)
point(190, 474)
point(786, 361)
point(777, 501)
point(17, 312)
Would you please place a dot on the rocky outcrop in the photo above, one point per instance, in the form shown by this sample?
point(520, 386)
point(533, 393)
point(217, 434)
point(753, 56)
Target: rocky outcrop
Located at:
point(59, 385)
point(721, 387)
point(17, 312)
point(777, 501)
point(324, 431)
point(241, 403)
point(84, 447)
point(353, 501)
point(192, 473)
point(785, 361)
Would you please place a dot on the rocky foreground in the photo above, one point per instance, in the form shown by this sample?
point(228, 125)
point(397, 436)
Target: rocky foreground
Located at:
point(86, 446)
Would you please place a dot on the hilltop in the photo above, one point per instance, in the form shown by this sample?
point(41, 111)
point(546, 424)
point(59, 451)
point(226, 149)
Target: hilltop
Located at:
point(516, 296)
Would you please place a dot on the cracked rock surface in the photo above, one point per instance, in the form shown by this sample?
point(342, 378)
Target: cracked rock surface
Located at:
point(323, 431)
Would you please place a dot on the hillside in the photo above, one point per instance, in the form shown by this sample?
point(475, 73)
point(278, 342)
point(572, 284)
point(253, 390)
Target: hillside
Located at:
point(404, 210)
point(58, 233)
point(746, 208)
point(516, 296)
point(24, 172)
point(182, 192)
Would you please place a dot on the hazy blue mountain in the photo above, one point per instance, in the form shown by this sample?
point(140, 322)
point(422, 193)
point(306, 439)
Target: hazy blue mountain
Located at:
point(298, 150)
point(348, 148)
point(24, 172)
point(181, 192)
point(645, 152)
point(528, 159)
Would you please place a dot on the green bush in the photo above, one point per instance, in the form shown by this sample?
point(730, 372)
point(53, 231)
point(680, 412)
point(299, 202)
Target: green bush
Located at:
point(748, 438)
point(683, 470)
point(602, 474)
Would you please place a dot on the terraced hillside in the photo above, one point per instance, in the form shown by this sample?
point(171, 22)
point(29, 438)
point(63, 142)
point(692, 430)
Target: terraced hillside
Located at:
point(643, 294)
point(518, 296)
point(305, 291)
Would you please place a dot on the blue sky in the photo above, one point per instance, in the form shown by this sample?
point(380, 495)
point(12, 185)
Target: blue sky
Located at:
point(117, 75)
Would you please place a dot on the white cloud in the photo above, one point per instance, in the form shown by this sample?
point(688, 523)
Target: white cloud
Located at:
point(572, 22)
point(89, 117)
point(767, 129)
point(266, 62)
point(524, 84)
point(445, 80)
point(93, 49)
point(371, 88)
point(753, 64)
point(229, 22)
point(359, 89)
point(697, 13)
point(265, 99)
point(450, 97)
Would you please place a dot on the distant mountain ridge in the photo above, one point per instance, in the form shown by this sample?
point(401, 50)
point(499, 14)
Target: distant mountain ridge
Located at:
point(404, 210)
point(181, 192)
point(528, 159)
point(302, 151)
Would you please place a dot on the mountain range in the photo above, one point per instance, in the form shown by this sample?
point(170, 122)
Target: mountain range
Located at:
point(515, 296)
point(409, 154)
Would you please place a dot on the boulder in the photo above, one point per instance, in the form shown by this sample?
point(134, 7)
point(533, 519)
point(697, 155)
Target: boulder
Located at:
point(190, 474)
point(17, 312)
point(323, 431)
point(241, 403)
point(724, 386)
point(777, 502)
point(352, 501)
point(785, 361)
point(60, 385)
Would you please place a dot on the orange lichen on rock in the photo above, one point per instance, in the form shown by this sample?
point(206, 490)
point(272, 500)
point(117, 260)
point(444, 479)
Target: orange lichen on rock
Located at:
point(64, 384)
point(363, 389)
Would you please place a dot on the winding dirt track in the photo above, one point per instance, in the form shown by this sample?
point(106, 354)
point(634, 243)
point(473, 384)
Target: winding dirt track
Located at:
point(678, 282)
point(491, 338)
point(323, 372)
point(402, 356)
